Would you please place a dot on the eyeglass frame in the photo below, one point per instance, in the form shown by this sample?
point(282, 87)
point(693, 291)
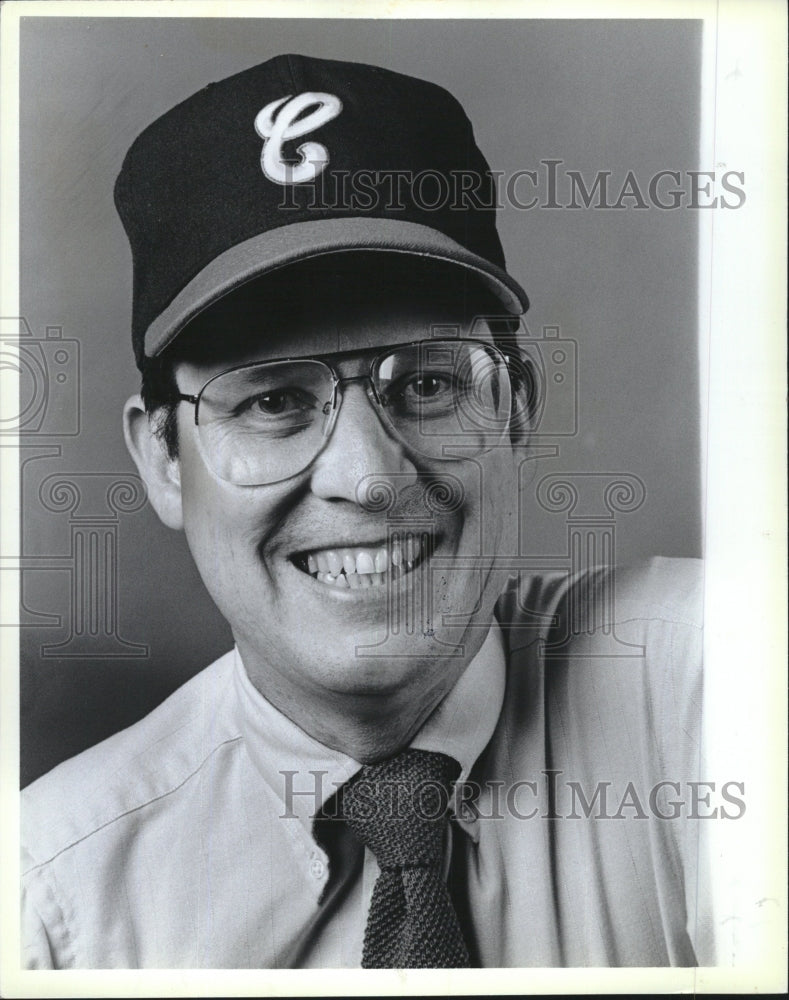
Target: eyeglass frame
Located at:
point(337, 381)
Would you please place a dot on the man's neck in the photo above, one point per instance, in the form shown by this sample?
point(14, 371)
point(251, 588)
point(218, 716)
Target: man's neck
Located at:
point(367, 727)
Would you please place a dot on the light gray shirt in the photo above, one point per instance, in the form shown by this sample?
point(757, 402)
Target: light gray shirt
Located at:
point(188, 840)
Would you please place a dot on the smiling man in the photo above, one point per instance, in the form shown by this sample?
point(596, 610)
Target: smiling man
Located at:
point(273, 475)
point(335, 410)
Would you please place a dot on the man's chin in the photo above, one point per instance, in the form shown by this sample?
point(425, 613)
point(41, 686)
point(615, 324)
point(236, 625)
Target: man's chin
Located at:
point(372, 665)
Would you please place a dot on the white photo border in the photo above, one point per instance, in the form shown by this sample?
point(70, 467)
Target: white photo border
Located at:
point(742, 315)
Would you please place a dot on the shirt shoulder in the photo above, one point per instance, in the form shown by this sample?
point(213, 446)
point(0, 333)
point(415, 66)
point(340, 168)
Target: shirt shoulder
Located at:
point(666, 589)
point(134, 767)
point(669, 590)
point(610, 653)
point(603, 714)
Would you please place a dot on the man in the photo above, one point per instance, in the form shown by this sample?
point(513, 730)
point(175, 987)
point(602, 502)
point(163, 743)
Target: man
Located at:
point(415, 755)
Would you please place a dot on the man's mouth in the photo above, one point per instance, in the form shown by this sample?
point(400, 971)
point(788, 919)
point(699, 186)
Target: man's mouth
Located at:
point(357, 567)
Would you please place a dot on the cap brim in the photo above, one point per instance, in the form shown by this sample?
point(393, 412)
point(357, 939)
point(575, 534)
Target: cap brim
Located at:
point(304, 240)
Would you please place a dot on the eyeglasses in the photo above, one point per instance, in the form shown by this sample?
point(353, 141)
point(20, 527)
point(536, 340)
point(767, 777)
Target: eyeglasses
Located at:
point(265, 422)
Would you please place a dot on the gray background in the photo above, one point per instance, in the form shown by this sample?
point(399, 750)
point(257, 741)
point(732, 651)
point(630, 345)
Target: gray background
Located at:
point(599, 95)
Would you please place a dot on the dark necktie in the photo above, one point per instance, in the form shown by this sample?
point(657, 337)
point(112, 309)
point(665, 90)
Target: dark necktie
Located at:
point(397, 808)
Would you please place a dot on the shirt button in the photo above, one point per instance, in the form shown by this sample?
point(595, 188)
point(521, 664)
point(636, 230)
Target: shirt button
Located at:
point(317, 868)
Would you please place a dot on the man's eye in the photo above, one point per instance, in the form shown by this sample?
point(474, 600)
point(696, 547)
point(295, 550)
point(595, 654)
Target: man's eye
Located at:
point(276, 403)
point(428, 385)
point(423, 387)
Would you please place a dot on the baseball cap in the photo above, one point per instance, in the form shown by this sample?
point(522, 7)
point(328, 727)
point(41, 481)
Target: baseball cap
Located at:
point(293, 159)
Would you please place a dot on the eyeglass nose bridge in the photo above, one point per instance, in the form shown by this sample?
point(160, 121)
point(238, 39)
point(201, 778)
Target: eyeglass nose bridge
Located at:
point(331, 410)
point(333, 405)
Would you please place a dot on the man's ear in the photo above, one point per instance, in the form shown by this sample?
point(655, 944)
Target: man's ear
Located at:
point(160, 473)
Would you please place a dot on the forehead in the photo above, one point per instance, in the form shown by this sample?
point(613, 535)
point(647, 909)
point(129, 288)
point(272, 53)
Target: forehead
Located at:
point(329, 309)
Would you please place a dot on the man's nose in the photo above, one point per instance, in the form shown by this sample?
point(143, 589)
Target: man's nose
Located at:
point(360, 452)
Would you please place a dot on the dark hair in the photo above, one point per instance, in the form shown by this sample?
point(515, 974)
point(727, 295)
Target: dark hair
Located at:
point(159, 392)
point(348, 276)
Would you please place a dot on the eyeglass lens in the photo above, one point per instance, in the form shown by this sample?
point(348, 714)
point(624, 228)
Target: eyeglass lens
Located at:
point(266, 422)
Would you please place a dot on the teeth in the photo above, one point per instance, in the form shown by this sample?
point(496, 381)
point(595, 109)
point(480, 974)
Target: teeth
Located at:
point(365, 563)
point(364, 567)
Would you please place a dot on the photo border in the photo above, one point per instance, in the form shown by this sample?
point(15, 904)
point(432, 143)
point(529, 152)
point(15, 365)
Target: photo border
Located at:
point(742, 322)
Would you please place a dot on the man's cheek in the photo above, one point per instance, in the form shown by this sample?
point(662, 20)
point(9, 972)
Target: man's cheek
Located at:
point(459, 592)
point(222, 561)
point(490, 529)
point(499, 509)
point(459, 581)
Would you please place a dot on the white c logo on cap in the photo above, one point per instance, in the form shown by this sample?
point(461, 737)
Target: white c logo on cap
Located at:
point(277, 122)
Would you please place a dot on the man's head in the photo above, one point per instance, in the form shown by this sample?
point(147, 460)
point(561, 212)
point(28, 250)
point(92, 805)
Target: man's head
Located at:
point(327, 414)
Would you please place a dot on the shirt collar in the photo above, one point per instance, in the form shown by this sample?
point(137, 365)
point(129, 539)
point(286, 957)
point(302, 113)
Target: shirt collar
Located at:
point(304, 773)
point(463, 723)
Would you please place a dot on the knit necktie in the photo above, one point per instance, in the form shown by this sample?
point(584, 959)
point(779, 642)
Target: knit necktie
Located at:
point(397, 808)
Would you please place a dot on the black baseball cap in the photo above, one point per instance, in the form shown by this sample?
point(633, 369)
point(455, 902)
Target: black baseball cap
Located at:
point(294, 159)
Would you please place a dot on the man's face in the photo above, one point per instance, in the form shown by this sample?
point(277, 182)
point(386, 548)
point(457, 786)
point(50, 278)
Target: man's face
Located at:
point(310, 645)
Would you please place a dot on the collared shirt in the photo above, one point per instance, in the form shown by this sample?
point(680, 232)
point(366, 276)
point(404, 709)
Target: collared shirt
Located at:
point(188, 840)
